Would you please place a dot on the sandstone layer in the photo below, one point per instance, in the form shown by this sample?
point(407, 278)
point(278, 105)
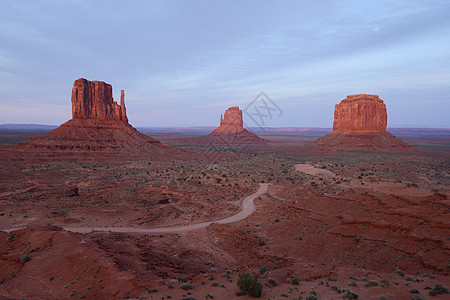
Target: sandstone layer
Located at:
point(98, 124)
point(360, 124)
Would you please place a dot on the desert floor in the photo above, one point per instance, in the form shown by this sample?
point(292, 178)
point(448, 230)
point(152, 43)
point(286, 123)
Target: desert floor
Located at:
point(375, 224)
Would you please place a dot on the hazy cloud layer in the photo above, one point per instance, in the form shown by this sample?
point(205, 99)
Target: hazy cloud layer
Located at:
point(183, 63)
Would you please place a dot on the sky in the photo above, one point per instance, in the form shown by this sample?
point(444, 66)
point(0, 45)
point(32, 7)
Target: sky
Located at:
point(183, 63)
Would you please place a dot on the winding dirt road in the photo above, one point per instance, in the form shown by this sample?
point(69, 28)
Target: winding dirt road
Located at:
point(247, 208)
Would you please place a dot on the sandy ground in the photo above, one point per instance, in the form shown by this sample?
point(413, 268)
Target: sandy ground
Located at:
point(376, 224)
point(311, 170)
point(382, 187)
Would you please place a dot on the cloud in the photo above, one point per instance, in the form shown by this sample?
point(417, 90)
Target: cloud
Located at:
point(173, 56)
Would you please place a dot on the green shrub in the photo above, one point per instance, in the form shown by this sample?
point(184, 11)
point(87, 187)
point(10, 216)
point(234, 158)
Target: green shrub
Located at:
point(399, 272)
point(439, 289)
point(295, 281)
point(311, 297)
point(371, 283)
point(263, 269)
point(181, 279)
point(249, 284)
point(349, 295)
point(10, 237)
point(186, 286)
point(25, 258)
point(273, 281)
point(332, 279)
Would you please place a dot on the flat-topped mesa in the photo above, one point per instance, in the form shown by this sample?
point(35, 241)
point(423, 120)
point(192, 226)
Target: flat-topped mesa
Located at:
point(231, 122)
point(94, 100)
point(360, 113)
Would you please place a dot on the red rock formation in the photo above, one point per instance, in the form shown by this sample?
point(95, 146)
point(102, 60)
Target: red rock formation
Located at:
point(98, 124)
point(122, 106)
point(360, 124)
point(231, 121)
point(360, 113)
point(231, 130)
point(93, 100)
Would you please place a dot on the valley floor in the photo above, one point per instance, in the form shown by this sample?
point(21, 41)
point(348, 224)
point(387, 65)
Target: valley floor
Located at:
point(371, 224)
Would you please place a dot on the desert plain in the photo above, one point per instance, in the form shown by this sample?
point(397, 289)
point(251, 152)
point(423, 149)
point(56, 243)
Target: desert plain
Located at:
point(331, 225)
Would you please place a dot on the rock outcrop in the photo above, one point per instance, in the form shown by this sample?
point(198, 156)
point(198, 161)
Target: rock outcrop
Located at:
point(232, 132)
point(360, 124)
point(99, 125)
point(360, 113)
point(231, 122)
point(93, 100)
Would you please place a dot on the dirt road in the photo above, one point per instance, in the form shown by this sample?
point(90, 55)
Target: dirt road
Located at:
point(247, 208)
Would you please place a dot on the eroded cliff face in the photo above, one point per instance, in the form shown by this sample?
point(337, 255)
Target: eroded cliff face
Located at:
point(360, 113)
point(93, 100)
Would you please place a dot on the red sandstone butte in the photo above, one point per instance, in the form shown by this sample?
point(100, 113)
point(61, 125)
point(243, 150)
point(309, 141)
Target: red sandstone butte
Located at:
point(98, 124)
point(231, 122)
point(93, 100)
point(231, 130)
point(360, 124)
point(360, 113)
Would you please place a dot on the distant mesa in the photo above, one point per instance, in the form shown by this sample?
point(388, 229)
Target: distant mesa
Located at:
point(360, 123)
point(98, 124)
